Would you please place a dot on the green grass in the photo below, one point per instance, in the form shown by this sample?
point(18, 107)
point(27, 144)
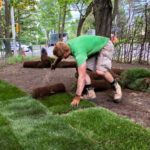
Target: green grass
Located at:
point(7, 138)
point(8, 91)
point(19, 59)
point(135, 79)
point(36, 128)
point(57, 106)
point(108, 130)
point(51, 123)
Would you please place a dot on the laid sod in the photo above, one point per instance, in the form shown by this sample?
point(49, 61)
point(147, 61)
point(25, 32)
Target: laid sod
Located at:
point(8, 91)
point(108, 130)
point(51, 123)
point(41, 130)
point(60, 103)
point(7, 138)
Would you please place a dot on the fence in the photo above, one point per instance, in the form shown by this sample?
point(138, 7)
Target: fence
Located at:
point(133, 53)
point(8, 47)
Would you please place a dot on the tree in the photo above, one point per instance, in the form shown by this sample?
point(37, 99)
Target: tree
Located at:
point(1, 24)
point(84, 8)
point(64, 4)
point(89, 24)
point(102, 10)
point(7, 30)
point(23, 16)
point(53, 15)
point(48, 16)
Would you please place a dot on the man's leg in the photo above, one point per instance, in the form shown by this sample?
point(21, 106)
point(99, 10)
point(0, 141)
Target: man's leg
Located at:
point(104, 63)
point(108, 77)
point(88, 91)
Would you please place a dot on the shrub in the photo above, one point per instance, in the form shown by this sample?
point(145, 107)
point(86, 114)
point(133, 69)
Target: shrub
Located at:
point(136, 79)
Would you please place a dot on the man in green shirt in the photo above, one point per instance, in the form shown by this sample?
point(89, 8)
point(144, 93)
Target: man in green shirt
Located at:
point(94, 53)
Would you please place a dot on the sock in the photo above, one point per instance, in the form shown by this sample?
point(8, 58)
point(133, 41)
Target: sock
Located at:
point(88, 86)
point(113, 84)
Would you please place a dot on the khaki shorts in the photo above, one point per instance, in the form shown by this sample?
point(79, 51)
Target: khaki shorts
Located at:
point(103, 60)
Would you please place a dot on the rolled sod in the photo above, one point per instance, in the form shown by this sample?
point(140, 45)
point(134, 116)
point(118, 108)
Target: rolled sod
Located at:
point(31, 64)
point(37, 64)
point(114, 71)
point(94, 76)
point(67, 64)
point(41, 92)
point(100, 85)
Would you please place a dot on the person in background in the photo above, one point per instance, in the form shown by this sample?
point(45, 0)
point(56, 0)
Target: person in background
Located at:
point(90, 52)
point(114, 39)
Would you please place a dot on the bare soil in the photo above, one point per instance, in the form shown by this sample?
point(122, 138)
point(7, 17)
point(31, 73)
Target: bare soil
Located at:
point(135, 105)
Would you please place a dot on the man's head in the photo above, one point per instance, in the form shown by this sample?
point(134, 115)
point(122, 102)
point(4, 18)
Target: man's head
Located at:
point(61, 50)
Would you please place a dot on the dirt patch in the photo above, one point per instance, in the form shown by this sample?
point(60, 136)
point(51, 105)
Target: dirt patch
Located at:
point(135, 105)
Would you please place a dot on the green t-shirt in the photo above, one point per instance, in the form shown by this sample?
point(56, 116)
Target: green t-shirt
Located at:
point(84, 46)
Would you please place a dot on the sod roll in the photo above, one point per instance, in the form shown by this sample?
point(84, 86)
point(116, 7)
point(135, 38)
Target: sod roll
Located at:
point(100, 85)
point(41, 92)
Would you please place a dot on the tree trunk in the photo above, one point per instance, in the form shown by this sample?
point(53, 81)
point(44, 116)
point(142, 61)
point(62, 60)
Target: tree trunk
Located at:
point(145, 36)
point(103, 17)
point(83, 17)
point(7, 31)
point(63, 21)
point(59, 20)
point(115, 10)
point(1, 26)
point(148, 54)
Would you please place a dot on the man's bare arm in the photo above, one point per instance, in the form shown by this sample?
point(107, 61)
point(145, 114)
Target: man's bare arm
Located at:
point(56, 62)
point(81, 78)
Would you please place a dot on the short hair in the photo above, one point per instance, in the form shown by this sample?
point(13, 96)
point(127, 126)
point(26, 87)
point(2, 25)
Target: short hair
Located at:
point(60, 48)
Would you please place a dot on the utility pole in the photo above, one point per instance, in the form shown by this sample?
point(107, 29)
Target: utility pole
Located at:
point(13, 30)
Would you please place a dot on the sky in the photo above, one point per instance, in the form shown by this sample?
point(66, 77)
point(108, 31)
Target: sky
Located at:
point(75, 15)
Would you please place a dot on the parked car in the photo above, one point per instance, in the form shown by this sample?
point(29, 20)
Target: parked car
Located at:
point(24, 47)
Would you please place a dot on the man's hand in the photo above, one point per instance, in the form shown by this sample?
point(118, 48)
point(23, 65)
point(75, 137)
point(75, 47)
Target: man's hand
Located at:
point(53, 66)
point(55, 63)
point(75, 101)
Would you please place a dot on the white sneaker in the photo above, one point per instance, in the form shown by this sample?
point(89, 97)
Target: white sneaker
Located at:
point(118, 93)
point(90, 95)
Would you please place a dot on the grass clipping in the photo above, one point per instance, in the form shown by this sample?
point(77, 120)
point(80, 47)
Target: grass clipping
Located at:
point(136, 79)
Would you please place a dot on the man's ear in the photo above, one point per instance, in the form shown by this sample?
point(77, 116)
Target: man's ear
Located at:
point(66, 48)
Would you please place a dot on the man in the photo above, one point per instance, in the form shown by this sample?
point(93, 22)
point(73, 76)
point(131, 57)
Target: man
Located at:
point(94, 53)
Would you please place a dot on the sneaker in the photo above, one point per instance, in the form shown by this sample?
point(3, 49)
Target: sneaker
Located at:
point(90, 94)
point(118, 93)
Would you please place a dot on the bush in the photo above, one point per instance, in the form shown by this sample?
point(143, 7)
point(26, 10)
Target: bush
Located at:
point(136, 79)
point(19, 59)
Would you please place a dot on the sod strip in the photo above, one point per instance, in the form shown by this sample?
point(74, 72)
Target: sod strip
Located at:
point(8, 91)
point(7, 138)
point(108, 130)
point(60, 103)
point(36, 128)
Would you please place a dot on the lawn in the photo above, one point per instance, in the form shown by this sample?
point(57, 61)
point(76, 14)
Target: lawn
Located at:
point(51, 123)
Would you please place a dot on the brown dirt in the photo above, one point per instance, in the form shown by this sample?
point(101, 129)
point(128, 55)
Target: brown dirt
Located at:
point(135, 105)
